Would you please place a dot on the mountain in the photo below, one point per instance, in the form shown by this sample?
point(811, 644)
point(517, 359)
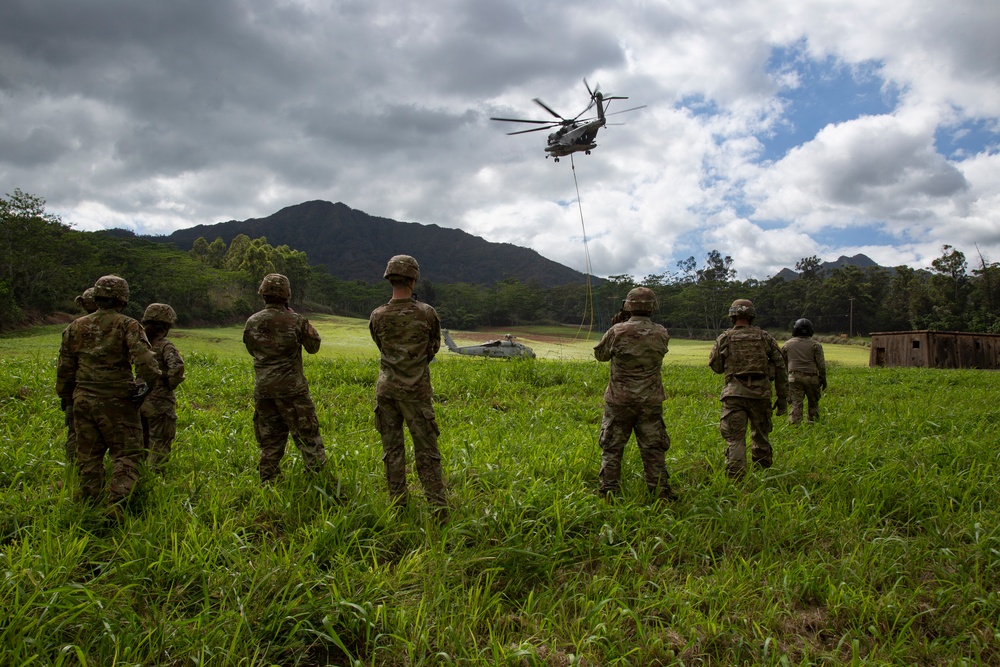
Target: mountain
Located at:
point(859, 260)
point(353, 245)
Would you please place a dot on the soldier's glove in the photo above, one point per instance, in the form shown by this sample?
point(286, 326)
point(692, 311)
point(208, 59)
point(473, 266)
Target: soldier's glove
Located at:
point(141, 392)
point(65, 403)
point(822, 383)
point(780, 406)
point(621, 316)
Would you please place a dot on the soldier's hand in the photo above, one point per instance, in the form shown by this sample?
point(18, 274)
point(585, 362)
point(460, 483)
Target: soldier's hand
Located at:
point(822, 383)
point(141, 391)
point(780, 406)
point(621, 316)
point(64, 403)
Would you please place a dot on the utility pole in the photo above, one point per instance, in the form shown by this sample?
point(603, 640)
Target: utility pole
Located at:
point(850, 324)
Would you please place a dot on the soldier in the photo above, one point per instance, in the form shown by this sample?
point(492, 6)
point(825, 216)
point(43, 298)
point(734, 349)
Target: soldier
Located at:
point(275, 337)
point(95, 371)
point(158, 410)
point(633, 401)
point(806, 371)
point(87, 303)
point(408, 335)
point(751, 360)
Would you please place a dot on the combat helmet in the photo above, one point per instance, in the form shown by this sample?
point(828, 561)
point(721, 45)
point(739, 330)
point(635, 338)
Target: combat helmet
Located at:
point(802, 327)
point(111, 287)
point(402, 265)
point(159, 312)
point(86, 300)
point(640, 300)
point(275, 284)
point(742, 308)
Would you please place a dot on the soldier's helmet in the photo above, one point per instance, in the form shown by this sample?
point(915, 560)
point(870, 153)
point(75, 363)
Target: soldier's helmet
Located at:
point(402, 265)
point(742, 308)
point(640, 299)
point(111, 287)
point(86, 300)
point(275, 284)
point(159, 312)
point(802, 327)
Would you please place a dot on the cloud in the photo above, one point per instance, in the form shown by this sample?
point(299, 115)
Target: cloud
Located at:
point(160, 116)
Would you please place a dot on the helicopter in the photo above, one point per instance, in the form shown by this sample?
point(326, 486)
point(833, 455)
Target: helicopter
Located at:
point(502, 347)
point(574, 134)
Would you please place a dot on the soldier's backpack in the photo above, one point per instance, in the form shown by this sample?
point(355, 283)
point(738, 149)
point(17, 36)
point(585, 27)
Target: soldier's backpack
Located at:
point(747, 352)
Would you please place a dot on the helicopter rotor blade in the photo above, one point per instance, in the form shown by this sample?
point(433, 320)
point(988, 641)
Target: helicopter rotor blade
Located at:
point(534, 129)
point(523, 120)
point(591, 92)
point(546, 107)
point(643, 106)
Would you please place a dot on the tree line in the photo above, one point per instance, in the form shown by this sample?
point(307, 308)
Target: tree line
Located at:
point(44, 264)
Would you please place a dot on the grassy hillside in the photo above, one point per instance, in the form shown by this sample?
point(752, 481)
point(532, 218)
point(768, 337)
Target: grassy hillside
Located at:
point(873, 540)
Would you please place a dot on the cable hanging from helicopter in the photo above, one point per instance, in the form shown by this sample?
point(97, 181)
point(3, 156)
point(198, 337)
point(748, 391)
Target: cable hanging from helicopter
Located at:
point(574, 135)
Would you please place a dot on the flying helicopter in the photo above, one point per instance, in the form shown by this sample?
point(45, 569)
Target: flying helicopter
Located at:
point(574, 134)
point(502, 347)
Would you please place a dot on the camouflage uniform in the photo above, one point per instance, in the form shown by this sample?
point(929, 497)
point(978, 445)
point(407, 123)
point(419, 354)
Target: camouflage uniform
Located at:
point(633, 401)
point(95, 371)
point(751, 360)
point(275, 337)
point(158, 411)
point(806, 376)
point(85, 301)
point(408, 334)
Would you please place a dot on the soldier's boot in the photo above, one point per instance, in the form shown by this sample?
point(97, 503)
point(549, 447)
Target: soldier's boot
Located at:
point(761, 453)
point(795, 413)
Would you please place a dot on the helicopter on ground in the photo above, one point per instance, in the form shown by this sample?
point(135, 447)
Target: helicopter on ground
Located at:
point(574, 134)
point(502, 347)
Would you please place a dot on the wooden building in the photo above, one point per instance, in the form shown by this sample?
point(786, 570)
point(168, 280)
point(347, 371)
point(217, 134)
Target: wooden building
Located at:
point(935, 349)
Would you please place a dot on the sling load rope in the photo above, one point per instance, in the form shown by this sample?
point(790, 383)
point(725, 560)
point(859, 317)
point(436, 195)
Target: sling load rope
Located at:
point(588, 307)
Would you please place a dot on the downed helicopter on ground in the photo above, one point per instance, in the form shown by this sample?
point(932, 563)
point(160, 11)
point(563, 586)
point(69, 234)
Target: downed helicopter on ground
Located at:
point(502, 347)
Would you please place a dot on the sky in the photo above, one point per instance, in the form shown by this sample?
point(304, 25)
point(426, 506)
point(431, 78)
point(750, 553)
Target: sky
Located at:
point(772, 130)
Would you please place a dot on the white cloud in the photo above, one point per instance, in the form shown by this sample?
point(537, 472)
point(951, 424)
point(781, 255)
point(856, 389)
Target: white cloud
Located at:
point(158, 116)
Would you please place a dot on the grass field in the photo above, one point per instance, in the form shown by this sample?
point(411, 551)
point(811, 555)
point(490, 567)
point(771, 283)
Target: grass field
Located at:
point(874, 539)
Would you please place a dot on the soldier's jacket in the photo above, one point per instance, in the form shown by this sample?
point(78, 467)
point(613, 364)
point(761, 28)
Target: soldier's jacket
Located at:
point(97, 354)
point(750, 359)
point(804, 355)
point(408, 334)
point(635, 349)
point(275, 337)
point(171, 372)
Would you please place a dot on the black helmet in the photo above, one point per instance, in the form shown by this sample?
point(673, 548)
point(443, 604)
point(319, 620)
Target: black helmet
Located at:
point(802, 327)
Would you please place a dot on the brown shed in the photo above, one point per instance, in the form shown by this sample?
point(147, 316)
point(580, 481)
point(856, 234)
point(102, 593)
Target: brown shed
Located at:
point(935, 349)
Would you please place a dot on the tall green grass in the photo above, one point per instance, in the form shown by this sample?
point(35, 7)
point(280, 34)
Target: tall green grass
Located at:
point(873, 540)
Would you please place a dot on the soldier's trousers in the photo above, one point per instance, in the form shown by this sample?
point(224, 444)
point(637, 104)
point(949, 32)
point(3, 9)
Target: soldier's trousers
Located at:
point(107, 426)
point(159, 428)
point(618, 424)
point(800, 389)
point(737, 413)
point(419, 417)
point(274, 419)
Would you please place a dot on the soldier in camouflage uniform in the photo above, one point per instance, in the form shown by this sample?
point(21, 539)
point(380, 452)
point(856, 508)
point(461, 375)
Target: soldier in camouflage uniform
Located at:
point(408, 334)
point(158, 410)
point(806, 371)
point(87, 303)
point(751, 360)
point(275, 337)
point(633, 401)
point(95, 372)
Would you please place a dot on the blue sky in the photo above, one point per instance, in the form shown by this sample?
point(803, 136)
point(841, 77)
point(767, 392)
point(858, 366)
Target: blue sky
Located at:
point(771, 130)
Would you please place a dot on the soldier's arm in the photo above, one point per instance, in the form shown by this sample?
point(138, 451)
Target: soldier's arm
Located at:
point(374, 334)
point(716, 358)
point(820, 365)
point(175, 365)
point(777, 359)
point(66, 370)
point(602, 351)
point(434, 344)
point(142, 355)
point(308, 336)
